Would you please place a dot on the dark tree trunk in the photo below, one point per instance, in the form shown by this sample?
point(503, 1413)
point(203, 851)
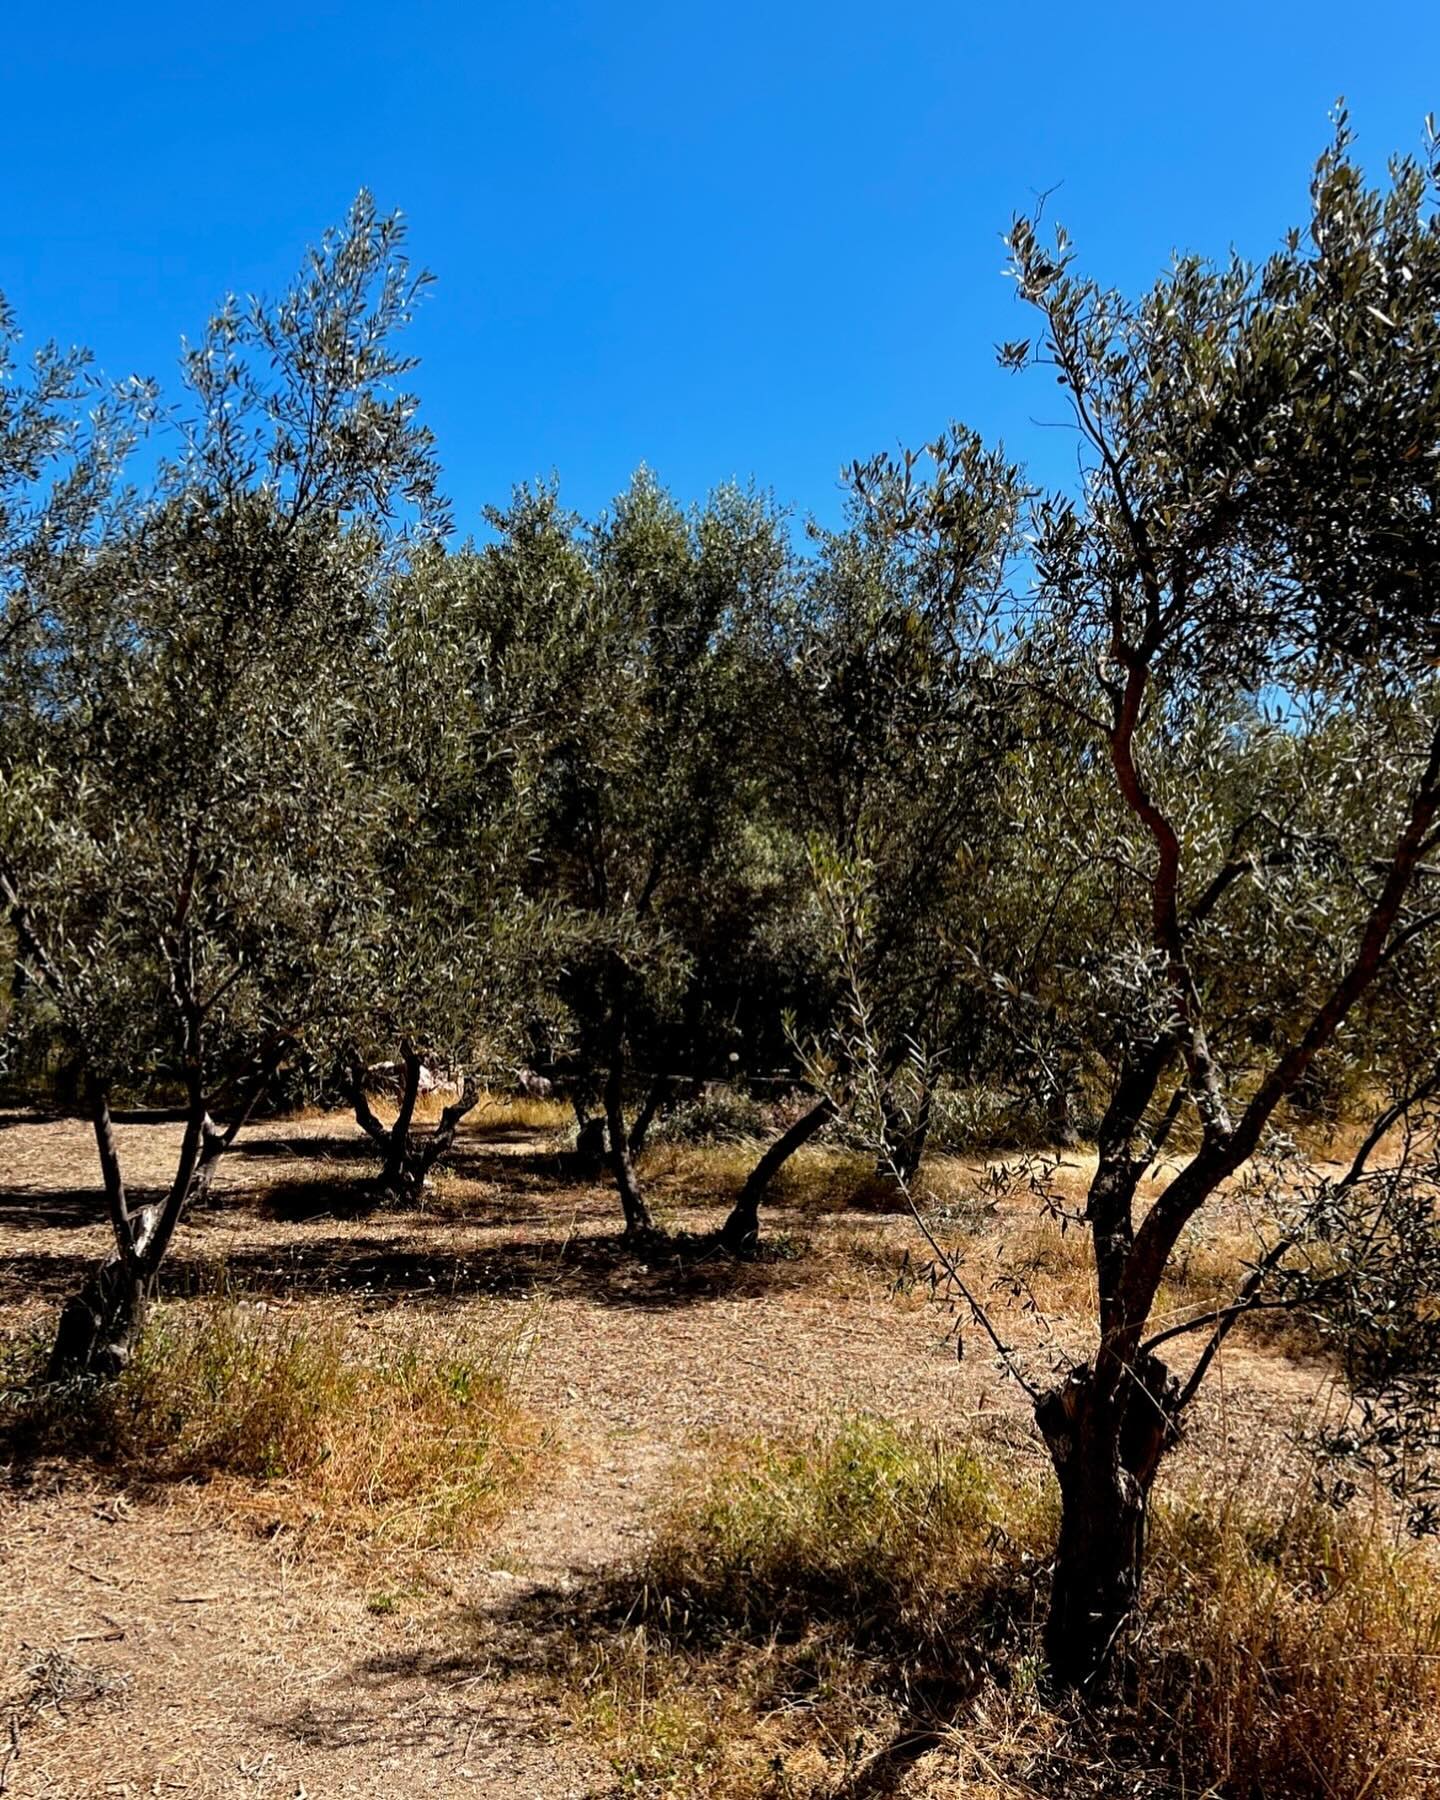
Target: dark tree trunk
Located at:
point(905, 1139)
point(399, 1176)
point(99, 1326)
point(741, 1230)
point(1106, 1445)
point(589, 1156)
point(407, 1156)
point(590, 1145)
point(1060, 1119)
point(653, 1101)
point(638, 1223)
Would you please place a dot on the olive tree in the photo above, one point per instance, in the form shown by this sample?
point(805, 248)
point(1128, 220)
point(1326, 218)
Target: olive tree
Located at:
point(1250, 568)
point(185, 843)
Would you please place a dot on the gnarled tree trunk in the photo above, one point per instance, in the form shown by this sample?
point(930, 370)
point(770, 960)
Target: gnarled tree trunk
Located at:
point(99, 1325)
point(1106, 1441)
point(638, 1223)
point(408, 1156)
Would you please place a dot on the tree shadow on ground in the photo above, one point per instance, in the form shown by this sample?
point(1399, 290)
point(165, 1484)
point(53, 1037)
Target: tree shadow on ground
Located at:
point(60, 1209)
point(344, 1146)
point(375, 1270)
point(551, 1637)
point(535, 1170)
point(331, 1147)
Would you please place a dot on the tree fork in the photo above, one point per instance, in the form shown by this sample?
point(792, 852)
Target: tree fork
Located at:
point(638, 1223)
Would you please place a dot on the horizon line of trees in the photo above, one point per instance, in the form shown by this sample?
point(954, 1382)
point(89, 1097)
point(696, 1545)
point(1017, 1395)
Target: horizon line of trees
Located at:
point(1131, 792)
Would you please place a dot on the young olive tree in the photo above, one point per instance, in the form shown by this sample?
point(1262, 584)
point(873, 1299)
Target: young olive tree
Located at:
point(1250, 572)
point(186, 847)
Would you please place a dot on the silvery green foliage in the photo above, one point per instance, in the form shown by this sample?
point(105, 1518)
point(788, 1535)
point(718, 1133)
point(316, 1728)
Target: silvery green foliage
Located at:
point(1217, 903)
point(1365, 1271)
point(64, 439)
point(1240, 607)
point(635, 650)
point(180, 819)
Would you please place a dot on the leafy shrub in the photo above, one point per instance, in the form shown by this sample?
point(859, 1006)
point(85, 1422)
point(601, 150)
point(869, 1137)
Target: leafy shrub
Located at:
point(721, 1115)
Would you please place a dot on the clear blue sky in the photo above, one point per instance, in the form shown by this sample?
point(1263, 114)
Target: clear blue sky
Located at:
point(741, 241)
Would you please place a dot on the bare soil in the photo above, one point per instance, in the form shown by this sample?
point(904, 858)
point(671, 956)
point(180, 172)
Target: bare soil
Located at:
point(157, 1645)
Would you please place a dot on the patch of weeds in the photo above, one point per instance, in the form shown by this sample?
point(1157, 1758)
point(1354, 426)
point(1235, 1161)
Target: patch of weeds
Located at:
point(783, 1247)
point(799, 1609)
point(413, 1447)
point(386, 1603)
point(1293, 1652)
point(811, 1619)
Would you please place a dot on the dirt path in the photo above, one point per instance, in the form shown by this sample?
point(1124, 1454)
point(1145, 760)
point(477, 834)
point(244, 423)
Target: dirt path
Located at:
point(157, 1649)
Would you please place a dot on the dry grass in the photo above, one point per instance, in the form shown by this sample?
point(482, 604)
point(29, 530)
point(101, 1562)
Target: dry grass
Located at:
point(412, 1448)
point(819, 1620)
point(521, 1112)
point(816, 1181)
point(856, 1601)
point(1294, 1653)
point(798, 1607)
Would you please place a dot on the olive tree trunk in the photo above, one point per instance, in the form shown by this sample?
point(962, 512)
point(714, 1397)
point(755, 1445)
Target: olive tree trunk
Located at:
point(100, 1324)
point(407, 1156)
point(905, 1137)
point(639, 1225)
point(1105, 1445)
point(741, 1231)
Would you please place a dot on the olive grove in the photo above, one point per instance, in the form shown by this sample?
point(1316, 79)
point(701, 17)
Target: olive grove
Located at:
point(1122, 802)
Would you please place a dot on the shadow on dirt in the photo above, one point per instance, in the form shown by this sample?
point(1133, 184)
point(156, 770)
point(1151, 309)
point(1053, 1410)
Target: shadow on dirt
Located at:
point(556, 1638)
point(683, 1270)
point(57, 1209)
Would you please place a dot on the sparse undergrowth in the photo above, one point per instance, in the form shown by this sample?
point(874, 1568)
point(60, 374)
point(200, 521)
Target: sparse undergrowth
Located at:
point(814, 1621)
point(413, 1447)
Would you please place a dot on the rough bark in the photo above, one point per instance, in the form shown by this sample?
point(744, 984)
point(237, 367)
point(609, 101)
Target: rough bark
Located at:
point(397, 1175)
point(590, 1145)
point(99, 1325)
point(645, 1118)
point(741, 1230)
point(1060, 1116)
point(1106, 1447)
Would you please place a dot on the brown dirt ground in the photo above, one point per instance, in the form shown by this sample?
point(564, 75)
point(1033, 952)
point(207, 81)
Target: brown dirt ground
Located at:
point(196, 1659)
